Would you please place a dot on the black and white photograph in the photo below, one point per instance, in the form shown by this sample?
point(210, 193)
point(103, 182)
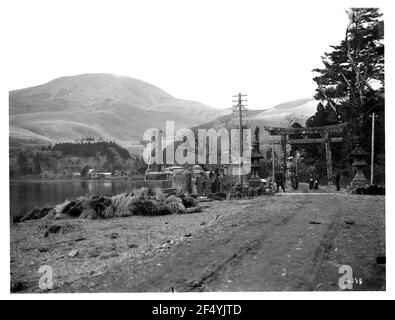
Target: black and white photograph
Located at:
point(185, 148)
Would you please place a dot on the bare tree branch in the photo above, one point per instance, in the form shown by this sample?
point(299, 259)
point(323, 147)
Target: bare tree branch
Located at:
point(322, 90)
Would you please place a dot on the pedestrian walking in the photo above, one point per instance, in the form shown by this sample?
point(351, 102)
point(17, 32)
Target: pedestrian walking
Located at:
point(279, 176)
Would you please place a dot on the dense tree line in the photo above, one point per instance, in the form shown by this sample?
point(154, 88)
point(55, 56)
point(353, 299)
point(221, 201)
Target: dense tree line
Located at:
point(66, 159)
point(92, 149)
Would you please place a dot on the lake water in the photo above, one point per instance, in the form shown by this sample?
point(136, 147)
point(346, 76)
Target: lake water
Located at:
point(25, 195)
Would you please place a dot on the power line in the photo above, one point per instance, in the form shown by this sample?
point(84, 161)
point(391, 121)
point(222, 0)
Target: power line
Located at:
point(238, 117)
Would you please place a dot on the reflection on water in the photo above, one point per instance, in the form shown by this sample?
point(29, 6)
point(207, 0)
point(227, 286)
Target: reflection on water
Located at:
point(25, 195)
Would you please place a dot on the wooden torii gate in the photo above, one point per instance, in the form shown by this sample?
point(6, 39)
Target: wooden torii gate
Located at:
point(325, 132)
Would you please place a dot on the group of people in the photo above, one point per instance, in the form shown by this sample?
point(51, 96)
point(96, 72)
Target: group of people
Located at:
point(280, 179)
point(218, 182)
point(213, 183)
point(313, 180)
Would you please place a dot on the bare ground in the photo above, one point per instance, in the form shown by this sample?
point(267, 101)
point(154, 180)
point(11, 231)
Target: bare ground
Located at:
point(270, 243)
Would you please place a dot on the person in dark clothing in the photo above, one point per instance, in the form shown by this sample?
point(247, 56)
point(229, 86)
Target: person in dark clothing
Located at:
point(311, 181)
point(316, 181)
point(294, 179)
point(280, 181)
point(337, 180)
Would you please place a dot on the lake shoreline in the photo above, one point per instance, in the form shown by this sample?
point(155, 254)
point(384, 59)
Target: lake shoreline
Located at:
point(28, 194)
point(71, 179)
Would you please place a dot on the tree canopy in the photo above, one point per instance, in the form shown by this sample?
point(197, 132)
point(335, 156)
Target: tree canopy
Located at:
point(350, 85)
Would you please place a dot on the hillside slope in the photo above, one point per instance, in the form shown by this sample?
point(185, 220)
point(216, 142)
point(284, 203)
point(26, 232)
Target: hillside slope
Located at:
point(112, 107)
point(281, 115)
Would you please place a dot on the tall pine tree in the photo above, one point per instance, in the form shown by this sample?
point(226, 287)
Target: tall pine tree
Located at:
point(350, 85)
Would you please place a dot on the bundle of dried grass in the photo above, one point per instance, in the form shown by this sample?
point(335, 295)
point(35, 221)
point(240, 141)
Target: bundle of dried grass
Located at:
point(176, 207)
point(37, 213)
point(57, 212)
point(144, 202)
point(121, 206)
point(145, 208)
point(189, 202)
point(142, 193)
point(159, 195)
point(173, 198)
point(96, 207)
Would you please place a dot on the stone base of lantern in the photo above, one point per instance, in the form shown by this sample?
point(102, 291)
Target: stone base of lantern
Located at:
point(359, 164)
point(359, 181)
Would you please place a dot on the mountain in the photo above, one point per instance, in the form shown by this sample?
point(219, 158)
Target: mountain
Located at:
point(120, 109)
point(112, 107)
point(281, 115)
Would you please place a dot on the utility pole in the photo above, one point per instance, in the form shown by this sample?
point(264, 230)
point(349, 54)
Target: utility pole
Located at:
point(373, 116)
point(241, 137)
point(239, 109)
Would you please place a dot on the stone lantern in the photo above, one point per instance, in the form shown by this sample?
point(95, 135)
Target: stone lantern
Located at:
point(256, 156)
point(359, 180)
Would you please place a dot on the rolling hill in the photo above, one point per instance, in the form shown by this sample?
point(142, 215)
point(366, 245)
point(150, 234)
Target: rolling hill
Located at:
point(281, 115)
point(115, 108)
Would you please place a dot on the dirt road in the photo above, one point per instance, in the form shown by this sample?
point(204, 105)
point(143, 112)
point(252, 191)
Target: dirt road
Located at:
point(270, 243)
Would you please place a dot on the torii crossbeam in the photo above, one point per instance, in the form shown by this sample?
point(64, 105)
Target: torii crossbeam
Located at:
point(324, 131)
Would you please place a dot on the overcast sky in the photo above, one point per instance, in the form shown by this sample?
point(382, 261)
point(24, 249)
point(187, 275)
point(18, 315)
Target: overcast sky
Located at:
point(199, 50)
